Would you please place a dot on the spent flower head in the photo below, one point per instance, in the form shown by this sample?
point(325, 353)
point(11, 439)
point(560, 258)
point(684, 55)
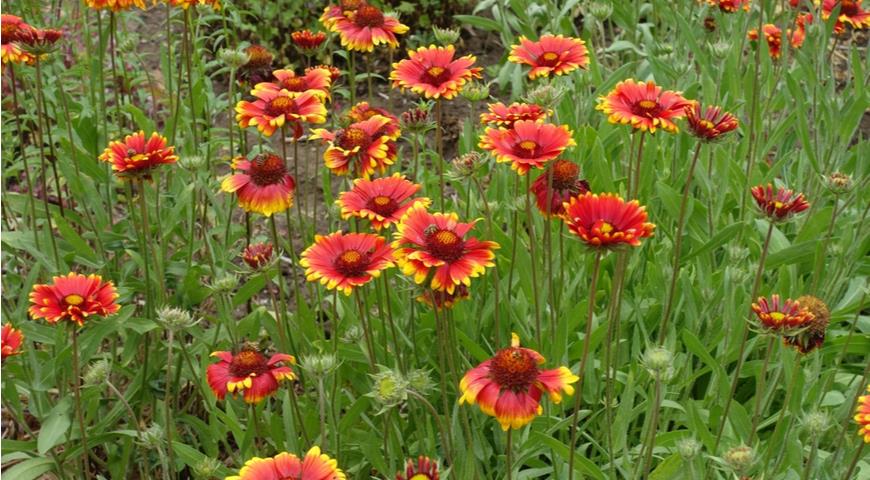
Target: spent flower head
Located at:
point(688, 448)
point(839, 183)
point(659, 362)
point(153, 437)
point(389, 388)
point(816, 423)
point(475, 91)
point(98, 373)
point(175, 319)
point(740, 458)
point(234, 58)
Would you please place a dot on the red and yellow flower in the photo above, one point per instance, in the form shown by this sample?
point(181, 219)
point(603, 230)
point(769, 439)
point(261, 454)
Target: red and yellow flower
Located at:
point(346, 261)
point(362, 147)
point(851, 12)
point(778, 316)
point(307, 41)
point(273, 108)
point(797, 36)
point(606, 220)
point(345, 8)
point(363, 27)
point(262, 184)
point(73, 297)
point(565, 183)
point(433, 73)
point(185, 4)
point(362, 111)
point(136, 156)
point(10, 341)
point(862, 416)
point(257, 255)
point(440, 299)
point(382, 201)
point(710, 125)
point(12, 28)
point(423, 469)
point(316, 80)
point(550, 54)
point(286, 466)
point(509, 385)
point(435, 244)
point(779, 205)
point(730, 6)
point(334, 73)
point(644, 106)
point(249, 373)
point(114, 5)
point(501, 115)
point(528, 144)
point(773, 37)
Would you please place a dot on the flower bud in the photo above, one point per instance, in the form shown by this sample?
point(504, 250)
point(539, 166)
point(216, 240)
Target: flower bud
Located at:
point(319, 365)
point(257, 255)
point(839, 183)
point(815, 423)
point(174, 319)
point(688, 448)
point(464, 166)
point(475, 91)
point(720, 49)
point(420, 381)
point(659, 362)
point(352, 335)
point(446, 36)
point(153, 437)
point(233, 58)
point(98, 373)
point(740, 458)
point(207, 468)
point(225, 284)
point(601, 10)
point(547, 96)
point(191, 162)
point(389, 388)
point(417, 120)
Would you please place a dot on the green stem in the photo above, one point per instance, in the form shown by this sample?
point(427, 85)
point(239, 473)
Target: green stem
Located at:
point(780, 419)
point(167, 400)
point(854, 462)
point(755, 285)
point(367, 332)
point(678, 242)
point(44, 184)
point(534, 266)
point(508, 458)
point(439, 145)
point(653, 426)
point(759, 391)
point(31, 200)
point(590, 311)
point(78, 400)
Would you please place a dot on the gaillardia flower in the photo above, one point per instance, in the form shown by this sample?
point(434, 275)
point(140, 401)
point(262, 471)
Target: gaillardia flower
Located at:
point(249, 372)
point(509, 385)
point(433, 73)
point(779, 205)
point(606, 220)
point(12, 29)
point(710, 125)
point(644, 106)
point(862, 416)
point(315, 80)
point(851, 12)
point(136, 156)
point(286, 466)
point(550, 54)
point(345, 261)
point(334, 73)
point(257, 255)
point(307, 41)
point(364, 28)
point(258, 67)
point(730, 6)
point(185, 4)
point(436, 244)
point(275, 107)
point(10, 341)
point(114, 5)
point(565, 183)
point(501, 115)
point(262, 184)
point(528, 144)
point(423, 469)
point(362, 111)
point(773, 37)
point(362, 147)
point(781, 317)
point(73, 297)
point(382, 201)
point(812, 336)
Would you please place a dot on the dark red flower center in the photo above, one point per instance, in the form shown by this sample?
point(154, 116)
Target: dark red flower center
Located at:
point(548, 59)
point(267, 169)
point(436, 75)
point(565, 174)
point(444, 244)
point(526, 149)
point(382, 205)
point(514, 368)
point(294, 84)
point(352, 263)
point(646, 108)
point(248, 362)
point(849, 8)
point(352, 137)
point(281, 106)
point(368, 16)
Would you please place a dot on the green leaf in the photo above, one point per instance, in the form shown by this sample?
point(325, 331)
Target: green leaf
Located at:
point(480, 22)
point(53, 428)
point(582, 464)
point(30, 469)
